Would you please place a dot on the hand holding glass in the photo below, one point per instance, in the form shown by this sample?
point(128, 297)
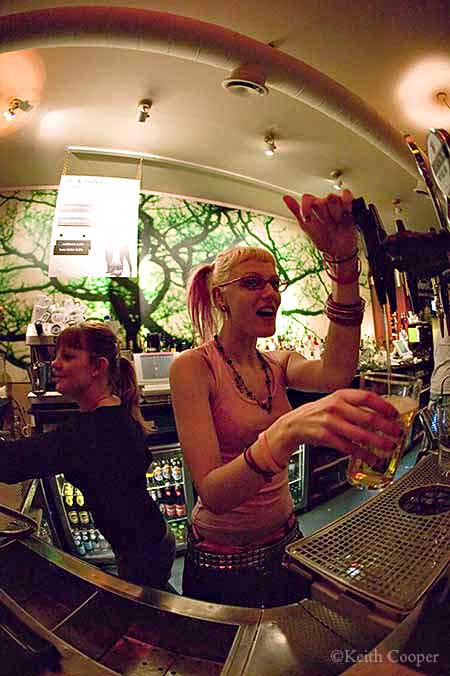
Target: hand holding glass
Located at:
point(375, 468)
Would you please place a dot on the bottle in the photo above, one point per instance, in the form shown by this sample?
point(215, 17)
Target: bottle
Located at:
point(169, 502)
point(5, 380)
point(150, 476)
point(157, 472)
point(160, 499)
point(292, 469)
point(84, 517)
point(176, 469)
point(79, 497)
point(72, 515)
point(180, 503)
point(166, 470)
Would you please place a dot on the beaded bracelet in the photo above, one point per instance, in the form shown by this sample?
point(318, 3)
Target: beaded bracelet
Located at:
point(267, 476)
point(345, 314)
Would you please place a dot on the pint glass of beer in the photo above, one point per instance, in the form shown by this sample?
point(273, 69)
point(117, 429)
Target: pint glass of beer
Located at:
point(375, 468)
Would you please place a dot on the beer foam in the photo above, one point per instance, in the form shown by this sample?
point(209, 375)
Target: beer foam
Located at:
point(402, 404)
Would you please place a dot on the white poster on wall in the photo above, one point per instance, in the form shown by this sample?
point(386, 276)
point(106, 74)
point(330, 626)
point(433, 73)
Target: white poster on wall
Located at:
point(95, 229)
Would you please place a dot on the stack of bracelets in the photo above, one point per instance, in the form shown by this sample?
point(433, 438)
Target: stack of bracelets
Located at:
point(271, 466)
point(340, 313)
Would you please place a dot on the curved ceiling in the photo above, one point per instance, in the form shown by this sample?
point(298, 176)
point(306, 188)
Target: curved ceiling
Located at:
point(91, 91)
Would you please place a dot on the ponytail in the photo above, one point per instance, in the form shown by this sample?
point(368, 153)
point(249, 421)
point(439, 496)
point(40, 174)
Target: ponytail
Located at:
point(199, 302)
point(128, 391)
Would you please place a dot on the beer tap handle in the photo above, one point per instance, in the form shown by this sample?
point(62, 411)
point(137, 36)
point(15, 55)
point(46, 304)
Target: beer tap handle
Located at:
point(372, 238)
point(443, 288)
point(384, 262)
point(413, 291)
point(437, 298)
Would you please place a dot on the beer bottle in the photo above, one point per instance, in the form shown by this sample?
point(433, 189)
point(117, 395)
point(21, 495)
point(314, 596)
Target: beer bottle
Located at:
point(180, 504)
point(176, 470)
point(170, 502)
point(72, 515)
point(79, 497)
point(166, 470)
point(160, 498)
point(83, 515)
point(157, 472)
point(149, 476)
point(86, 541)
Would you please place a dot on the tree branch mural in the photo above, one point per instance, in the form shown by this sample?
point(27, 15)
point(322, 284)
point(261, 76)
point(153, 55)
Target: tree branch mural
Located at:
point(174, 236)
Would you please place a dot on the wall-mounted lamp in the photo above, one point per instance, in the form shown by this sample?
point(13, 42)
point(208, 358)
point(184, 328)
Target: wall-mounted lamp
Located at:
point(14, 105)
point(442, 97)
point(270, 147)
point(337, 179)
point(143, 110)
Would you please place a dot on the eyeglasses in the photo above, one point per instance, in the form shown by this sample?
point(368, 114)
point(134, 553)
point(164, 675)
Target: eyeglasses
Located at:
point(257, 282)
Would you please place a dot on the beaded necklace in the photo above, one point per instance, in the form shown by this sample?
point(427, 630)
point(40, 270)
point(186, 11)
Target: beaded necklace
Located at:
point(239, 381)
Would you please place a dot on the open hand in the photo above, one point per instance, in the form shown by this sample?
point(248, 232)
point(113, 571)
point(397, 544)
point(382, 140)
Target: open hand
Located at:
point(327, 221)
point(348, 420)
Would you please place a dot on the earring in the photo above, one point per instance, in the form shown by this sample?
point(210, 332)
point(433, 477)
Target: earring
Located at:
point(224, 308)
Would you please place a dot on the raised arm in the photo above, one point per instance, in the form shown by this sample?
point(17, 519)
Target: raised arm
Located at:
point(329, 224)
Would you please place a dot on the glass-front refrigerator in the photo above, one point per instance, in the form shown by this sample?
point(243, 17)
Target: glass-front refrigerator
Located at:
point(298, 478)
point(168, 485)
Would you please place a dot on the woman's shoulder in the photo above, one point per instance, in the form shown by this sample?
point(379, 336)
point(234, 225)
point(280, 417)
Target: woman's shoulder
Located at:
point(197, 363)
point(196, 357)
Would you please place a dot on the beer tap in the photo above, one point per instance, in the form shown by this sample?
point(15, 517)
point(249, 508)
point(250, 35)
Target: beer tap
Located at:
point(369, 223)
point(416, 254)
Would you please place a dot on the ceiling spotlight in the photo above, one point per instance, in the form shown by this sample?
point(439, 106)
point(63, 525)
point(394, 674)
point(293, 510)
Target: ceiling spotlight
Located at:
point(14, 105)
point(442, 97)
point(143, 110)
point(246, 80)
point(338, 181)
point(270, 148)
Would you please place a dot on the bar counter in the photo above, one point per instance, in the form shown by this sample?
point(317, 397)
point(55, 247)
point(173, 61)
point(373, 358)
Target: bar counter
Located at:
point(100, 624)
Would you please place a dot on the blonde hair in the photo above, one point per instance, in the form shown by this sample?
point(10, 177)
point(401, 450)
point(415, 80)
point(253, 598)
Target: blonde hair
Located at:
point(99, 341)
point(205, 318)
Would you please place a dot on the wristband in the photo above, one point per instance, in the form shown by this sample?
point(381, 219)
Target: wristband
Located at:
point(267, 456)
point(339, 278)
point(343, 314)
point(336, 261)
point(267, 476)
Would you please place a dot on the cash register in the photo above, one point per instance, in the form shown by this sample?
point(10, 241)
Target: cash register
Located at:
point(152, 373)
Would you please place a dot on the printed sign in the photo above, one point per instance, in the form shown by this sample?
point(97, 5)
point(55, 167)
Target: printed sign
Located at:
point(95, 228)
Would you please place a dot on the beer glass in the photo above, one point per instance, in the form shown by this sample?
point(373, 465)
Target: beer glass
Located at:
point(441, 418)
point(377, 468)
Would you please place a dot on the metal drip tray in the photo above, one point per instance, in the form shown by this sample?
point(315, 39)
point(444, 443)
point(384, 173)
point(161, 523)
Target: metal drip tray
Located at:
point(426, 500)
point(13, 523)
point(382, 552)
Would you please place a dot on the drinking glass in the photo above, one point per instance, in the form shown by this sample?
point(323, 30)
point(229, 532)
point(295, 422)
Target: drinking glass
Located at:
point(377, 469)
point(441, 418)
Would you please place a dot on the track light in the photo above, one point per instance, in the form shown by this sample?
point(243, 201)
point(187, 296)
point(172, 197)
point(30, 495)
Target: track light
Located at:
point(143, 110)
point(270, 148)
point(14, 105)
point(338, 181)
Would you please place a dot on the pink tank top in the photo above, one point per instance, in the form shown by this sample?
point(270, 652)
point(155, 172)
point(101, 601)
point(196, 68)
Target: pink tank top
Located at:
point(238, 422)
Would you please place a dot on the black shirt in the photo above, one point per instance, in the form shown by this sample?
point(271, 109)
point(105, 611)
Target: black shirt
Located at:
point(104, 454)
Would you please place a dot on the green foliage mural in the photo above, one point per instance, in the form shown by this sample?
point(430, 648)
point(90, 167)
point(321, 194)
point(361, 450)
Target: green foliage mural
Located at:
point(174, 235)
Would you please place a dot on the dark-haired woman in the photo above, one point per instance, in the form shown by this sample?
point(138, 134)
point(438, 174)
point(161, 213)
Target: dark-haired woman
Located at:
point(234, 420)
point(103, 452)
